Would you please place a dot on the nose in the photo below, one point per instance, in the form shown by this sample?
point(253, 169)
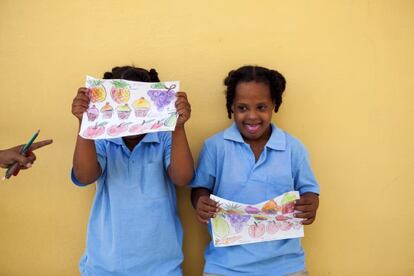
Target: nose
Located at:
point(252, 114)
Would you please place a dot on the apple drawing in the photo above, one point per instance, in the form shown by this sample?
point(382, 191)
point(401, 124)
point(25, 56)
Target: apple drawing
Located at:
point(140, 128)
point(257, 230)
point(115, 130)
point(285, 226)
point(272, 227)
point(95, 130)
point(157, 125)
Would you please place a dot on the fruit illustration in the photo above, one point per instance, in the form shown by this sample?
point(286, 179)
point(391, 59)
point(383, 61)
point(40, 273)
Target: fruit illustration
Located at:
point(96, 92)
point(281, 218)
point(257, 230)
point(107, 111)
point(94, 131)
point(252, 210)
point(123, 111)
point(270, 207)
point(141, 106)
point(170, 121)
point(285, 225)
point(288, 203)
point(115, 130)
point(92, 113)
point(162, 95)
point(157, 125)
point(220, 227)
point(272, 227)
point(140, 128)
point(237, 221)
point(260, 217)
point(120, 91)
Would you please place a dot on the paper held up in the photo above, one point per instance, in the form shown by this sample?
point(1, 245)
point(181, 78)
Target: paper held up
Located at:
point(238, 223)
point(121, 108)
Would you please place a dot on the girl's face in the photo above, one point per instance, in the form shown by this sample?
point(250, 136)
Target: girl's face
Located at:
point(253, 109)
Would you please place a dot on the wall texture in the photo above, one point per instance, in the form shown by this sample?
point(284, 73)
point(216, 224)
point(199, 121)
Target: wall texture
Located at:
point(350, 72)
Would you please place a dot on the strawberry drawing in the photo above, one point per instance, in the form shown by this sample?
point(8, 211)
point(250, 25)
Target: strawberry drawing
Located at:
point(120, 91)
point(95, 130)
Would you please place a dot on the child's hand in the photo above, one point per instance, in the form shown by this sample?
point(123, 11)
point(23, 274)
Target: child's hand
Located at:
point(80, 103)
point(9, 156)
point(307, 205)
point(206, 209)
point(183, 108)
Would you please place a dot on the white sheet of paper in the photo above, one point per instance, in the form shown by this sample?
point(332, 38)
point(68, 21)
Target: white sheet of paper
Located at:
point(121, 108)
point(238, 223)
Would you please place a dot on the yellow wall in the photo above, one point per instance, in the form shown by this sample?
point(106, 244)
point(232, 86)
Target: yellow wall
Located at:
point(350, 72)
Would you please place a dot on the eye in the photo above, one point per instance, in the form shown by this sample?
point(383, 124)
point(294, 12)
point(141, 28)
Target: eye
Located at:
point(241, 108)
point(262, 107)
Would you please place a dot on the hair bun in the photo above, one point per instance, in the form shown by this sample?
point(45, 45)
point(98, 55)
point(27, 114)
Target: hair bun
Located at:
point(227, 79)
point(153, 75)
point(108, 75)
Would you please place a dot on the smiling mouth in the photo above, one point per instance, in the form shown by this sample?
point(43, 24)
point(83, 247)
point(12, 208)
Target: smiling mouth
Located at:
point(252, 128)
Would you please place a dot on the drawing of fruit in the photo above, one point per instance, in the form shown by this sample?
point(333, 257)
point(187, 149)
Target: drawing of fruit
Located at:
point(115, 130)
point(285, 225)
point(281, 218)
point(157, 125)
point(96, 92)
point(270, 207)
point(257, 230)
point(220, 227)
point(237, 221)
point(94, 131)
point(92, 113)
point(288, 203)
point(170, 121)
point(120, 91)
point(162, 96)
point(272, 227)
point(260, 217)
point(140, 128)
point(252, 210)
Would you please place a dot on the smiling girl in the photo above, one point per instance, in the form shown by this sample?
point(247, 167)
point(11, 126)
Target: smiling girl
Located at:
point(250, 162)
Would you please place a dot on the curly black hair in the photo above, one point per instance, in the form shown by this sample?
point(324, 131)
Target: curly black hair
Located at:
point(133, 74)
point(272, 78)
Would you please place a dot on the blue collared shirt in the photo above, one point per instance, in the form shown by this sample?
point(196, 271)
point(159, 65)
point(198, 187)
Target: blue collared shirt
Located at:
point(228, 168)
point(133, 227)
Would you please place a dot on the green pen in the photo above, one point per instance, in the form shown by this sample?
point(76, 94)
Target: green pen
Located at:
point(13, 168)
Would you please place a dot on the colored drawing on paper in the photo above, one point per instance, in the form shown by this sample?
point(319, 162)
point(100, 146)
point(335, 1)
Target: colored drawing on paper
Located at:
point(161, 94)
point(132, 108)
point(238, 223)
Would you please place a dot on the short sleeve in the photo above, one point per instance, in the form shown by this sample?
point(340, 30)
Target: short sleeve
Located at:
point(100, 146)
point(205, 173)
point(304, 178)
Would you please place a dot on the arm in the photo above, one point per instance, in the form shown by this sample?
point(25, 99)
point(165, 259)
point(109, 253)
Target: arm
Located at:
point(85, 163)
point(181, 168)
point(206, 208)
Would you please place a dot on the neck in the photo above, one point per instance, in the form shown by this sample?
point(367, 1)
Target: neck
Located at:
point(132, 141)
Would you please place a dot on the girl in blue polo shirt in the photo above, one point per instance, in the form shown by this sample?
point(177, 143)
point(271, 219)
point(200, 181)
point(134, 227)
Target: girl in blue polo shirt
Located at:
point(133, 227)
point(250, 162)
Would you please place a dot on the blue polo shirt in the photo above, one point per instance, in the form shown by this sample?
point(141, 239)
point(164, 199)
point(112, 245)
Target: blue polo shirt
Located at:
point(133, 227)
point(227, 167)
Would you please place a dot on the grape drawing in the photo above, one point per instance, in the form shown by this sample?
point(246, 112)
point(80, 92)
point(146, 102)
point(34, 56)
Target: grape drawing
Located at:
point(162, 97)
point(237, 221)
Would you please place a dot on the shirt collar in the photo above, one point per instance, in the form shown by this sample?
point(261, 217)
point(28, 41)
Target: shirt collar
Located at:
point(277, 140)
point(148, 138)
